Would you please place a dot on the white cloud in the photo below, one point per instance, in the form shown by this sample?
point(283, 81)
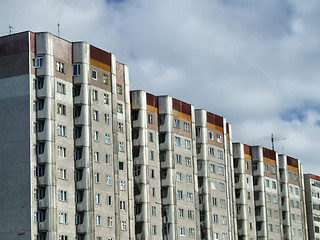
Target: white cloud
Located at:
point(250, 61)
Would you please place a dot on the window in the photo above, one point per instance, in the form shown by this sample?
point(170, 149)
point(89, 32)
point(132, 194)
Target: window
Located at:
point(222, 203)
point(220, 154)
point(110, 221)
point(37, 62)
point(176, 123)
point(213, 185)
point(98, 220)
point(62, 174)
point(181, 213)
point(190, 197)
point(274, 185)
point(222, 187)
point(215, 218)
point(154, 211)
point(154, 230)
point(249, 211)
point(60, 67)
point(61, 109)
point(153, 192)
point(122, 205)
point(39, 193)
point(94, 75)
point(97, 177)
point(105, 98)
point(190, 214)
point(151, 155)
point(224, 220)
point(63, 196)
point(98, 199)
point(273, 170)
point(61, 88)
point(108, 139)
point(121, 165)
point(191, 233)
point(188, 161)
point(182, 231)
point(119, 89)
point(61, 237)
point(214, 201)
point(297, 191)
point(106, 118)
point(110, 201)
point(39, 216)
point(221, 171)
point(247, 165)
point(122, 185)
point(186, 127)
point(179, 177)
point(178, 159)
point(267, 183)
point(96, 136)
point(293, 217)
point(62, 130)
point(298, 205)
point(180, 194)
point(216, 236)
point(105, 79)
point(150, 119)
point(275, 199)
point(96, 156)
point(62, 152)
point(189, 178)
point(268, 197)
point(269, 212)
point(108, 159)
point(211, 151)
point(76, 69)
point(121, 146)
point(187, 144)
point(219, 138)
point(123, 226)
point(277, 228)
point(291, 189)
point(249, 196)
point(211, 135)
point(95, 95)
point(177, 141)
point(266, 167)
point(108, 180)
point(95, 115)
point(150, 137)
point(119, 108)
point(63, 218)
point(270, 227)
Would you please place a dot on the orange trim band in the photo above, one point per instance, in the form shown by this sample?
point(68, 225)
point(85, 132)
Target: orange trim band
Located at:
point(181, 115)
point(100, 65)
point(248, 157)
point(294, 169)
point(152, 109)
point(270, 161)
point(214, 127)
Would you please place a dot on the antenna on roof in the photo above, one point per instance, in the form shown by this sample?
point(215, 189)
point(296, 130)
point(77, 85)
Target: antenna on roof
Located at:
point(273, 139)
point(58, 29)
point(10, 29)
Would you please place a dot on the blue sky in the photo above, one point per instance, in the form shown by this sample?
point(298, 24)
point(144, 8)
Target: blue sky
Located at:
point(254, 62)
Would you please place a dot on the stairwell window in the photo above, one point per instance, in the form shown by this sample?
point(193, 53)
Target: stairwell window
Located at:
point(121, 147)
point(187, 144)
point(61, 88)
point(62, 152)
point(63, 218)
point(95, 95)
point(96, 136)
point(105, 79)
point(62, 130)
point(94, 75)
point(177, 141)
point(60, 67)
point(219, 138)
point(119, 89)
point(76, 69)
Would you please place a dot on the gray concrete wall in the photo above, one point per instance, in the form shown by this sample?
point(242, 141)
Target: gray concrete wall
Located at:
point(15, 172)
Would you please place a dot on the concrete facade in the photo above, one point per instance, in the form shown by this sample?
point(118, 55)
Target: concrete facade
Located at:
point(70, 103)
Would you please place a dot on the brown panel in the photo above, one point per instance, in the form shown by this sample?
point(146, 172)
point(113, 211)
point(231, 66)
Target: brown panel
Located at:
point(152, 100)
point(120, 73)
point(247, 149)
point(214, 119)
point(14, 44)
point(314, 177)
point(292, 162)
point(181, 106)
point(62, 49)
point(100, 55)
point(269, 154)
point(33, 42)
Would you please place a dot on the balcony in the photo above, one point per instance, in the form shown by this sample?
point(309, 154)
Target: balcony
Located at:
point(166, 159)
point(168, 214)
point(166, 123)
point(44, 203)
point(83, 97)
point(138, 119)
point(83, 139)
point(141, 193)
point(46, 156)
point(141, 178)
point(84, 161)
point(83, 118)
point(84, 183)
point(84, 227)
point(142, 216)
point(47, 89)
point(46, 112)
point(138, 137)
point(139, 155)
point(84, 205)
point(165, 142)
point(45, 179)
point(167, 195)
point(47, 133)
point(46, 66)
point(168, 178)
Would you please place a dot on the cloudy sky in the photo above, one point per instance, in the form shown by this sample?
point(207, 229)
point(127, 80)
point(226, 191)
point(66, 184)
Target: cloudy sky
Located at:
point(257, 63)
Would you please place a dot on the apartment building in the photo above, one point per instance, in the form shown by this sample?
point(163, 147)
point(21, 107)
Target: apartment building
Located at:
point(215, 176)
point(66, 139)
point(147, 184)
point(278, 191)
point(312, 196)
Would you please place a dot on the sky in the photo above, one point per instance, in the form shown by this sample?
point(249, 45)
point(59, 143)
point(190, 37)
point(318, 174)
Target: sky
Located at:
point(256, 63)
